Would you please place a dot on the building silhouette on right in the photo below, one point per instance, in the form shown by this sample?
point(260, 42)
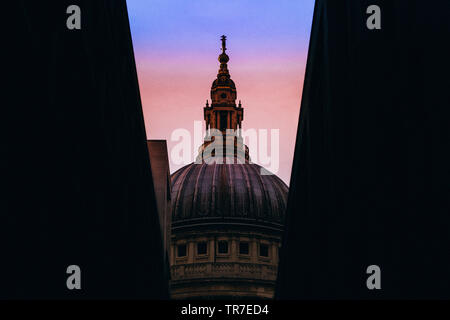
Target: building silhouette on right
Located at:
point(370, 181)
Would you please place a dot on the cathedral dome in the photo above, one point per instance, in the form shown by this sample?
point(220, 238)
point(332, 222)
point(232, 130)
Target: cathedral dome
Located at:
point(227, 213)
point(234, 193)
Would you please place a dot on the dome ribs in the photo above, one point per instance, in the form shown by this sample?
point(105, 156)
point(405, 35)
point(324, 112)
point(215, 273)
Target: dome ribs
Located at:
point(189, 193)
point(213, 211)
point(227, 191)
point(232, 205)
point(266, 200)
point(195, 209)
point(179, 210)
point(205, 192)
point(278, 201)
point(250, 194)
point(243, 199)
point(224, 194)
point(281, 194)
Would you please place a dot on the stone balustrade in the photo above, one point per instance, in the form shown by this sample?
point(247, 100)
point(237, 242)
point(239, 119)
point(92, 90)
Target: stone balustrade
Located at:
point(224, 269)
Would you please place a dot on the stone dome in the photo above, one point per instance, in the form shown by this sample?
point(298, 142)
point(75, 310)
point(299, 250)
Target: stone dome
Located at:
point(227, 193)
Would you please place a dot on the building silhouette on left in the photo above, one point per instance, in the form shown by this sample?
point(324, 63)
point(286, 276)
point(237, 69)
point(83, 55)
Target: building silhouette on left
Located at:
point(79, 184)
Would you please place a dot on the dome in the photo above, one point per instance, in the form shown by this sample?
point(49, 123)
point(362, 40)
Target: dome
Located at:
point(235, 193)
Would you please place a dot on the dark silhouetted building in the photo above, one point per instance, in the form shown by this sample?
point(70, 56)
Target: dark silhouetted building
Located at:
point(370, 179)
point(80, 189)
point(159, 160)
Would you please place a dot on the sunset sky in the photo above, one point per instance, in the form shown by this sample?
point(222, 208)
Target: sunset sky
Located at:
point(177, 42)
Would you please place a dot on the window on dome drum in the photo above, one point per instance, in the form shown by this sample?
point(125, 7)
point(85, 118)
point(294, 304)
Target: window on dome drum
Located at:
point(223, 95)
point(222, 247)
point(181, 250)
point(201, 248)
point(243, 248)
point(263, 250)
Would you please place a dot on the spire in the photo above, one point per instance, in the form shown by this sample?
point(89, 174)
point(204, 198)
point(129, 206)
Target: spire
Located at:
point(223, 114)
point(223, 59)
point(223, 90)
point(224, 42)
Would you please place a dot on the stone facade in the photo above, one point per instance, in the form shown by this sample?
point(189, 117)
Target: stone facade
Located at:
point(247, 268)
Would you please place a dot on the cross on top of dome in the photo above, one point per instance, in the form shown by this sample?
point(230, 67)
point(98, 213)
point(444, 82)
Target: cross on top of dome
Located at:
point(224, 41)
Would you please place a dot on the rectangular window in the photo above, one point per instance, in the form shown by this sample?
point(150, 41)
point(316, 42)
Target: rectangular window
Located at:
point(181, 250)
point(263, 250)
point(243, 248)
point(201, 248)
point(223, 247)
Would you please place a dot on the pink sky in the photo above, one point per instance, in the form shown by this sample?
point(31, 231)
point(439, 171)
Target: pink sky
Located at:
point(175, 76)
